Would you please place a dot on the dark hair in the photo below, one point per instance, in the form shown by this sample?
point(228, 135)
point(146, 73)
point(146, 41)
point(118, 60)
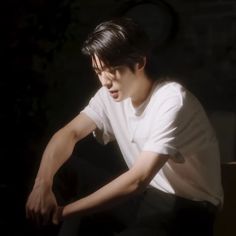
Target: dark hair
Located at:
point(117, 42)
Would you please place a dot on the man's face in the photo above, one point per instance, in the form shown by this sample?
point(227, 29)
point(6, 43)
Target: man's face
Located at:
point(120, 80)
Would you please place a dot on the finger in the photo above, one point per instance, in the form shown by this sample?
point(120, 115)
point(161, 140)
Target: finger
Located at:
point(57, 216)
point(48, 215)
point(27, 211)
point(32, 213)
point(30, 209)
point(37, 218)
point(46, 218)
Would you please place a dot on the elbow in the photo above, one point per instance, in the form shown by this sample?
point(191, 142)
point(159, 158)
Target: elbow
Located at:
point(141, 186)
point(66, 134)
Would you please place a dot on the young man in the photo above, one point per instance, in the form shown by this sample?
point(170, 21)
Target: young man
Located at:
point(163, 134)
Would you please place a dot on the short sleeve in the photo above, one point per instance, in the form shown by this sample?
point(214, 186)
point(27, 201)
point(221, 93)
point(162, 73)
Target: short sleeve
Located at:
point(96, 110)
point(167, 128)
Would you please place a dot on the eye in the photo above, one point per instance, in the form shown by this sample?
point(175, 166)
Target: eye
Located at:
point(112, 70)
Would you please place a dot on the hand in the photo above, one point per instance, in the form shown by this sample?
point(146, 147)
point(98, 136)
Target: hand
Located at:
point(41, 205)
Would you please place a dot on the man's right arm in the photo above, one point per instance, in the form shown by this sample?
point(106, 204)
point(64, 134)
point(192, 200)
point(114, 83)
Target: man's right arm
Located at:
point(41, 203)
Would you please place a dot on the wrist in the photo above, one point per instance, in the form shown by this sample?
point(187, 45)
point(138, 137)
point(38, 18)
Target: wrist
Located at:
point(64, 213)
point(67, 211)
point(43, 181)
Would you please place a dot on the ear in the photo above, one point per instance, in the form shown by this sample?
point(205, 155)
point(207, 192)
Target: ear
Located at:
point(141, 65)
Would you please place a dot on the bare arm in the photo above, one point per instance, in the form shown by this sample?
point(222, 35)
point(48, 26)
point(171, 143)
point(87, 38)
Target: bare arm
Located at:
point(61, 146)
point(131, 182)
point(41, 203)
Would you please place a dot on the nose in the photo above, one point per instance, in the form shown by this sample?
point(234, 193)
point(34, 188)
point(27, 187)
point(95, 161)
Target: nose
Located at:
point(105, 81)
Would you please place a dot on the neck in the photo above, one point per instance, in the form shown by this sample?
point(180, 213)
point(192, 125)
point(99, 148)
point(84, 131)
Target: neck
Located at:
point(142, 90)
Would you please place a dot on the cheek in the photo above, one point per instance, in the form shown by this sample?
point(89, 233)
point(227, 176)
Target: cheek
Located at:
point(123, 80)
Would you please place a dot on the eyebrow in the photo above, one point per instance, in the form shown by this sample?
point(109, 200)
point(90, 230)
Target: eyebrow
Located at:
point(103, 66)
point(96, 69)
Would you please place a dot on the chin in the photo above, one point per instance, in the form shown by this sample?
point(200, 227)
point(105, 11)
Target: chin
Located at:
point(119, 99)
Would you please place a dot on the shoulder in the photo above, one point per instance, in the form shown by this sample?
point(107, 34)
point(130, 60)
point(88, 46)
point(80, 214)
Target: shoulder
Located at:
point(169, 88)
point(169, 93)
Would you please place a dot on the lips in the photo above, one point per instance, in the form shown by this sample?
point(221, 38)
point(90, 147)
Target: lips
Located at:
point(114, 93)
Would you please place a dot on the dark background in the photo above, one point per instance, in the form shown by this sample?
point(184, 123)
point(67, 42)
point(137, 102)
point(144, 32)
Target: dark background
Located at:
point(45, 81)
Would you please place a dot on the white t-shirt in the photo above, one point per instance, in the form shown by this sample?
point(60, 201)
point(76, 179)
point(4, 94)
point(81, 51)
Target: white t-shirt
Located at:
point(170, 121)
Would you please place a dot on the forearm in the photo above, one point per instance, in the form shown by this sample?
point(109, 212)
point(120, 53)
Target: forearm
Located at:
point(61, 146)
point(126, 185)
point(114, 192)
point(58, 150)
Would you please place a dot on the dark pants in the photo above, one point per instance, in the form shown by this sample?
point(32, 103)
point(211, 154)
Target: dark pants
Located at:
point(151, 213)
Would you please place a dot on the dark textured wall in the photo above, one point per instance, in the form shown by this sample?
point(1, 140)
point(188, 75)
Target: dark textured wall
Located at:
point(45, 81)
